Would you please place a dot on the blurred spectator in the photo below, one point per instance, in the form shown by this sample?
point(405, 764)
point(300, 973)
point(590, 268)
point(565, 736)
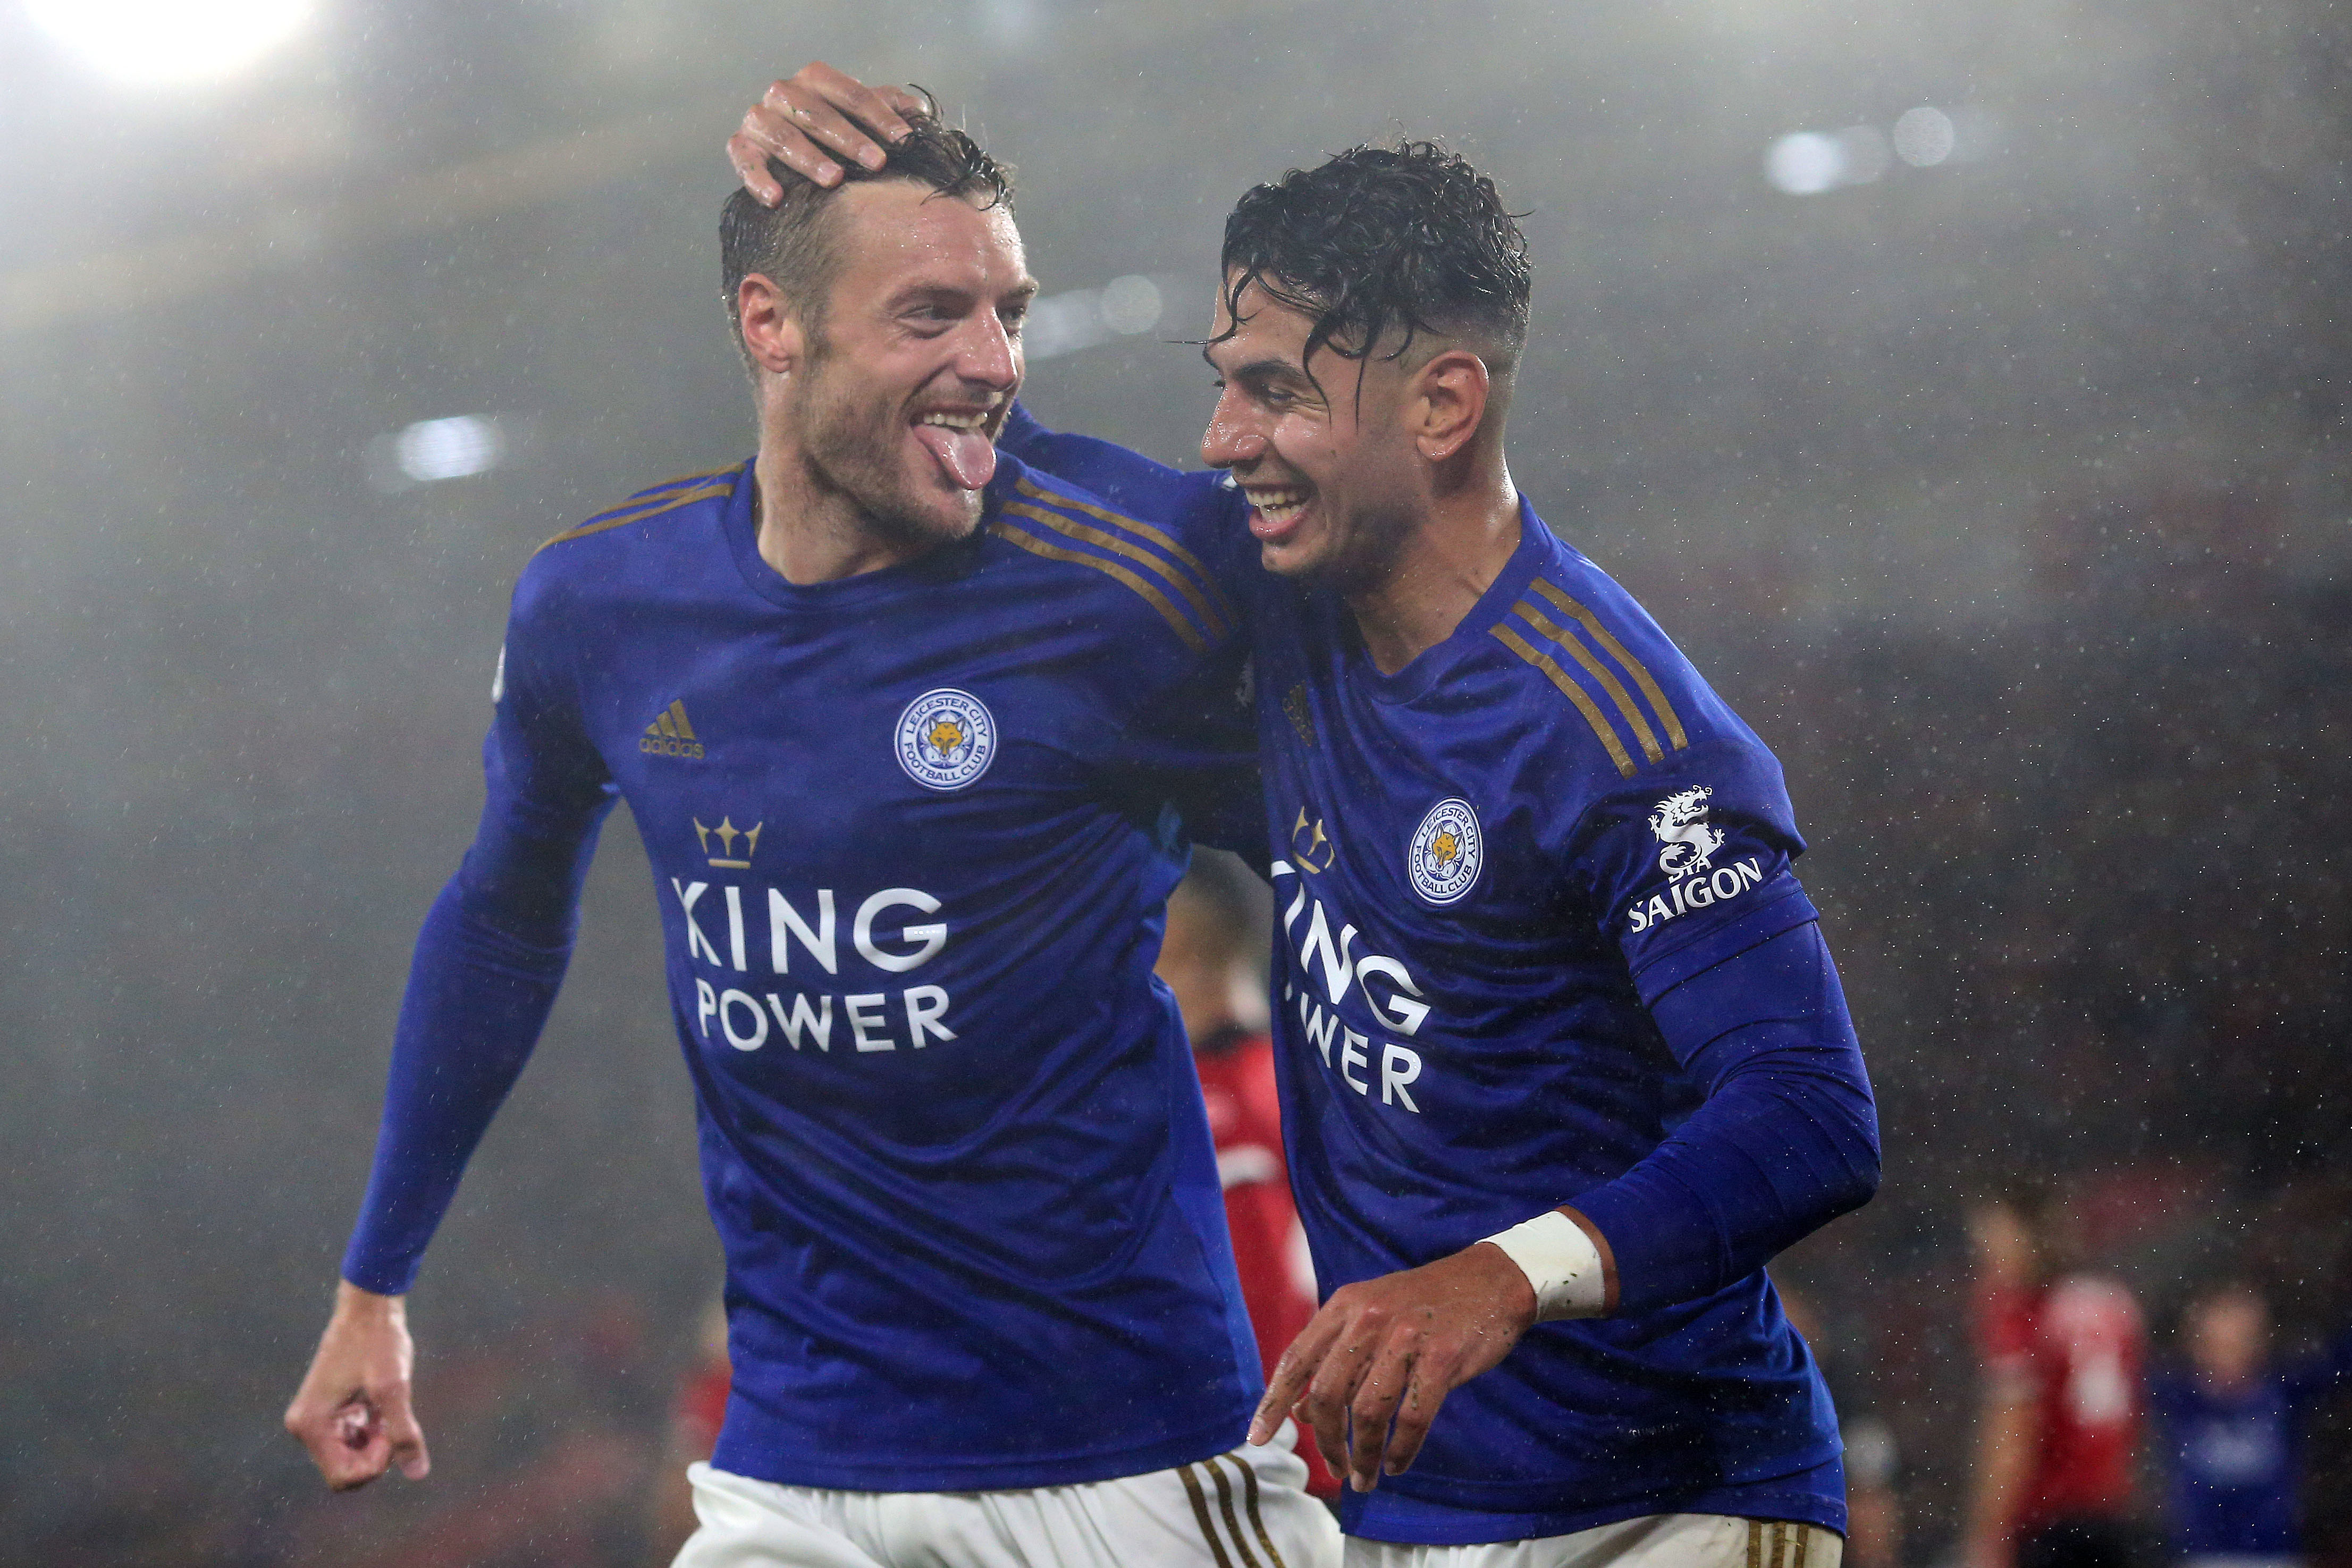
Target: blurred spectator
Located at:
point(1874, 1536)
point(2059, 1412)
point(1216, 928)
point(2231, 1429)
point(695, 1419)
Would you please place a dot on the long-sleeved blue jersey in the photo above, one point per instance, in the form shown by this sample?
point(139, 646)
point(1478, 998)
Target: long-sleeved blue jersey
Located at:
point(1540, 942)
point(911, 835)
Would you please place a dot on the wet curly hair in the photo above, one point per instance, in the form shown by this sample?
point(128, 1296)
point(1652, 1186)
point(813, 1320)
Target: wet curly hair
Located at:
point(1381, 239)
point(793, 243)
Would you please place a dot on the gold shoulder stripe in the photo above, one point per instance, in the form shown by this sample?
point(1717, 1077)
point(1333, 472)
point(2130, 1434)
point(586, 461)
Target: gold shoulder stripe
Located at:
point(1201, 1515)
point(671, 502)
point(1217, 627)
point(1137, 526)
point(1575, 693)
point(1600, 672)
point(1012, 533)
point(1616, 650)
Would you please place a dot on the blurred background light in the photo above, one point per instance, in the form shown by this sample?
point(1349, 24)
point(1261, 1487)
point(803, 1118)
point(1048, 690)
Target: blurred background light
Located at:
point(432, 450)
point(1924, 137)
point(1805, 163)
point(158, 41)
point(1863, 155)
point(1131, 305)
point(1080, 317)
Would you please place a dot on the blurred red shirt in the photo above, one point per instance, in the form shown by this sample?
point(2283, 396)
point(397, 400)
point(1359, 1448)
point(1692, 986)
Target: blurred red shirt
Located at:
point(1269, 1249)
point(2074, 1346)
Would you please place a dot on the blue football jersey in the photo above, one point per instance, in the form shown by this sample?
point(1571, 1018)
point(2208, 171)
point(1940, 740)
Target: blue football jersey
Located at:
point(1485, 867)
point(1489, 862)
point(911, 834)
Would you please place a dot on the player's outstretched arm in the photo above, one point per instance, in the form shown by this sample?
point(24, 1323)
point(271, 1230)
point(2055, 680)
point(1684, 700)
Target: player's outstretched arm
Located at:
point(807, 121)
point(352, 1410)
point(487, 965)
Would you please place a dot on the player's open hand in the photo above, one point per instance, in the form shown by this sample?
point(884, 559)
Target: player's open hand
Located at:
point(1367, 1374)
point(807, 122)
point(352, 1411)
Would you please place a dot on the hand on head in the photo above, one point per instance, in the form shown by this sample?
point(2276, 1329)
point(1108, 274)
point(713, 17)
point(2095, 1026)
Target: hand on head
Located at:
point(817, 116)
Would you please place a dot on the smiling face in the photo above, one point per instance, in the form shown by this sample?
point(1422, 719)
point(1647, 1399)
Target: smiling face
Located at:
point(1329, 461)
point(904, 381)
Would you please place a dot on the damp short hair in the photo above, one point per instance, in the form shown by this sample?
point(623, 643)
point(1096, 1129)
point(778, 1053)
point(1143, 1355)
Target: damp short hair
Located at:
point(1407, 239)
point(793, 244)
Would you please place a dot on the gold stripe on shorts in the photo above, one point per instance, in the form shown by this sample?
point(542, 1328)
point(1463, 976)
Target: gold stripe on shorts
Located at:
point(1257, 1521)
point(1200, 1513)
point(1225, 1506)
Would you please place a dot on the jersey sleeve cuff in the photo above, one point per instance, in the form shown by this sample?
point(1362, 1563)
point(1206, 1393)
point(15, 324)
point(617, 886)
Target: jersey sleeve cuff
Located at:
point(1660, 973)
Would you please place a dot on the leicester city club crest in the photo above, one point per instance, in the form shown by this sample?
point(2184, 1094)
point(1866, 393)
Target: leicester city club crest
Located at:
point(1446, 852)
point(946, 739)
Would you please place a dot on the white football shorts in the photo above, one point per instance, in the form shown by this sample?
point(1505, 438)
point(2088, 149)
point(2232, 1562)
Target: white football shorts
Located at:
point(1659, 1541)
point(1248, 1509)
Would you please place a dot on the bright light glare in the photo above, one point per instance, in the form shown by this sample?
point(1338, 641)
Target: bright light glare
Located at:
point(450, 448)
point(1925, 137)
point(1131, 305)
point(169, 40)
point(1064, 323)
point(1805, 163)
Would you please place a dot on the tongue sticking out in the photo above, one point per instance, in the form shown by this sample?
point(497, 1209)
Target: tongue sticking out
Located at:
point(964, 456)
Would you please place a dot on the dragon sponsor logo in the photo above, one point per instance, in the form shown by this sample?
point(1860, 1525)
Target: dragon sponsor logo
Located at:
point(1688, 845)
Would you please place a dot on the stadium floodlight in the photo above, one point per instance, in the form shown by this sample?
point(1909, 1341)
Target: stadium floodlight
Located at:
point(451, 448)
point(432, 450)
point(1806, 163)
point(157, 41)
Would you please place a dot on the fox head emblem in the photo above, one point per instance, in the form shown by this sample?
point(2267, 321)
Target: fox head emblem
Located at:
point(946, 735)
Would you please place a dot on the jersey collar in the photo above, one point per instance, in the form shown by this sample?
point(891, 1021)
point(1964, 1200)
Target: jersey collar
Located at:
point(1429, 666)
point(944, 564)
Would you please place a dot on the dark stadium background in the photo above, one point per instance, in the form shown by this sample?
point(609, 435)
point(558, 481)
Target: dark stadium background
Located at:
point(2005, 493)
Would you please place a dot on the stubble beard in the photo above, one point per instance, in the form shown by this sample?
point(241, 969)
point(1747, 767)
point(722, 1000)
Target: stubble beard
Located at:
point(849, 452)
point(1361, 556)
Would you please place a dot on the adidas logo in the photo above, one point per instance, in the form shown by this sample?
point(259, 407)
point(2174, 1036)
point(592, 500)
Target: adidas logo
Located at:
point(670, 735)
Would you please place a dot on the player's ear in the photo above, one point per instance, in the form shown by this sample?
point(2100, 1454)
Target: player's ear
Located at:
point(1447, 401)
point(772, 332)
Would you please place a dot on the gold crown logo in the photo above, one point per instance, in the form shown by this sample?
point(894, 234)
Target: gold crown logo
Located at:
point(727, 833)
point(1314, 851)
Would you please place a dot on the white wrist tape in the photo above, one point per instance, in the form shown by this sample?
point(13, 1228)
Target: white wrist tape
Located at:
point(1560, 1261)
